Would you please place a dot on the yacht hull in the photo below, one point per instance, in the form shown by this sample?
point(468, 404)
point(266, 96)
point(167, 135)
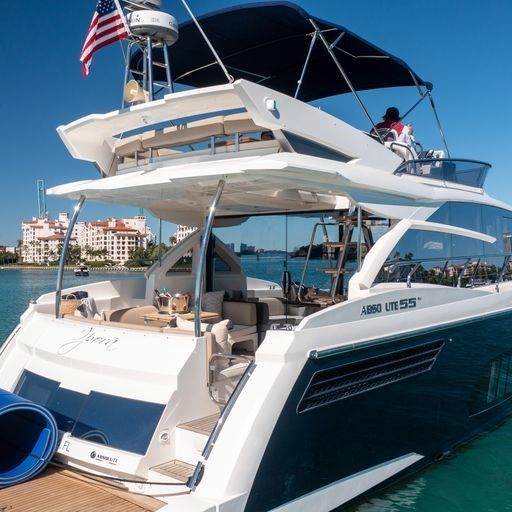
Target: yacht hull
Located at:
point(386, 413)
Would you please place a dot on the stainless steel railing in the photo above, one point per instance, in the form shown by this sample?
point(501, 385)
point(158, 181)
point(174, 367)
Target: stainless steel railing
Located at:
point(459, 270)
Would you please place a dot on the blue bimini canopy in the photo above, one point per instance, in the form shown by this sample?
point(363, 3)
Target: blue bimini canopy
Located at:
point(268, 43)
point(28, 438)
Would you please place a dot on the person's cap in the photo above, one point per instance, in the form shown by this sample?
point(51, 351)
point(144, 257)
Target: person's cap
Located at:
point(392, 113)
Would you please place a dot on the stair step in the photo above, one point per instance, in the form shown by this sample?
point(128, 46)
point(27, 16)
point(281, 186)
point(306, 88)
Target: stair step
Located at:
point(176, 469)
point(201, 425)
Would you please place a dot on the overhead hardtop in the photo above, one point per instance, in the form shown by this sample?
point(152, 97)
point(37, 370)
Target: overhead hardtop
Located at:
point(269, 42)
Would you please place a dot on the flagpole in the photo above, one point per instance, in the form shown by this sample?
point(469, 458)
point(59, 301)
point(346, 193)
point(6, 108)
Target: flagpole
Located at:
point(123, 17)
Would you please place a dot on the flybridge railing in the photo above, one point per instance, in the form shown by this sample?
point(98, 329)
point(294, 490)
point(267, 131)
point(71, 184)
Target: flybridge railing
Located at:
point(466, 172)
point(476, 269)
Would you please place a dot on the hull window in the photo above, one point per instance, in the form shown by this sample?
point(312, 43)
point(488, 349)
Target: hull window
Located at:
point(342, 382)
point(500, 382)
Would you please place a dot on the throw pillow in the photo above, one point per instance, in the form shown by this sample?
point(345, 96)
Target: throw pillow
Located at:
point(212, 302)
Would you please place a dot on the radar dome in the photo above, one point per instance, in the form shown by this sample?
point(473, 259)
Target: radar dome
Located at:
point(156, 24)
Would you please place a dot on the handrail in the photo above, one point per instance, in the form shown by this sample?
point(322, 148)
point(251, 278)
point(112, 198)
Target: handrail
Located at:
point(230, 358)
point(467, 259)
point(461, 273)
point(424, 160)
point(502, 271)
point(210, 443)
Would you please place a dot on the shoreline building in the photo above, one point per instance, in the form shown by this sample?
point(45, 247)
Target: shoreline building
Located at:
point(110, 239)
point(42, 238)
point(113, 239)
point(182, 232)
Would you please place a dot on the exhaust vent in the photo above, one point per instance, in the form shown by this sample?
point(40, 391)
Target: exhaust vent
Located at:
point(342, 382)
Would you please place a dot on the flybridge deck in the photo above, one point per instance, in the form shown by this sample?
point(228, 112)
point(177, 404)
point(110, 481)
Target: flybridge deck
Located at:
point(313, 161)
point(95, 137)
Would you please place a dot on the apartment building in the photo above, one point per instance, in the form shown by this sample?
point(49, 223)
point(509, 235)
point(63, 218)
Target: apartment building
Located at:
point(115, 237)
point(111, 239)
point(182, 232)
point(42, 238)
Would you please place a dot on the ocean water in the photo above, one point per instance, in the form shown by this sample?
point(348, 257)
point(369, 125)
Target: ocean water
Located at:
point(475, 479)
point(18, 287)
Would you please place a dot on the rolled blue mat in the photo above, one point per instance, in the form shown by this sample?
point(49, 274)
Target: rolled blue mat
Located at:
point(28, 438)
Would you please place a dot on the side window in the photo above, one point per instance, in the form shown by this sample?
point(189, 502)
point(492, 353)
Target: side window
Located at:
point(500, 380)
point(493, 225)
point(182, 266)
point(221, 265)
point(462, 215)
point(507, 234)
point(444, 258)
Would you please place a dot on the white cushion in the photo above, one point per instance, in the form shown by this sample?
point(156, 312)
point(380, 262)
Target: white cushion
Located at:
point(128, 145)
point(220, 330)
point(240, 123)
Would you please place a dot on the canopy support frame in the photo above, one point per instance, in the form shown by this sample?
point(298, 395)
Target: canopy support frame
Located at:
point(438, 121)
point(67, 238)
point(205, 239)
point(205, 37)
point(310, 51)
point(345, 76)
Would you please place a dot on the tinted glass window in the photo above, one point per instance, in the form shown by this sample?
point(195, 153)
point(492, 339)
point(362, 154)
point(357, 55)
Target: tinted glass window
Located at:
point(183, 265)
point(308, 147)
point(66, 406)
point(36, 388)
point(416, 244)
point(221, 265)
point(448, 254)
point(118, 422)
point(114, 421)
point(485, 219)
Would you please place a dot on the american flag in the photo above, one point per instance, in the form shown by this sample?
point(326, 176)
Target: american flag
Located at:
point(107, 26)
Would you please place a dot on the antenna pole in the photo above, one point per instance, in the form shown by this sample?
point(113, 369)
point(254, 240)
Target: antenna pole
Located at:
point(150, 67)
point(217, 58)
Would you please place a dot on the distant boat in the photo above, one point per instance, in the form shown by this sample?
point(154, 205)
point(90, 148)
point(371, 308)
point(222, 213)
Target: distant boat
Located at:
point(81, 270)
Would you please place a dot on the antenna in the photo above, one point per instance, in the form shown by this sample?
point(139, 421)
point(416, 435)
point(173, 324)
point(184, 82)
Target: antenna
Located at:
point(150, 29)
point(41, 199)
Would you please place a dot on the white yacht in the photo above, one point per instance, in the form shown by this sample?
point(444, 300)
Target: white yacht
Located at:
point(350, 296)
point(81, 270)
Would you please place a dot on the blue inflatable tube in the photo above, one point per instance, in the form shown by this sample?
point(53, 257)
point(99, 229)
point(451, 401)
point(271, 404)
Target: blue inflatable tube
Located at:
point(28, 438)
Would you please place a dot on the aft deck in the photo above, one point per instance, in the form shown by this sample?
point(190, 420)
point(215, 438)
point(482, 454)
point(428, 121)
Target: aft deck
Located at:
point(59, 490)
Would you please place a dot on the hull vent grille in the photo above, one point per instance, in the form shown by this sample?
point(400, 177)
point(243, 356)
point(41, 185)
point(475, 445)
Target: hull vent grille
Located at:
point(341, 382)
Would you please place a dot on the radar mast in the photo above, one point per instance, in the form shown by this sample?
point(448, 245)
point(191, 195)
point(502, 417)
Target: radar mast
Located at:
point(150, 28)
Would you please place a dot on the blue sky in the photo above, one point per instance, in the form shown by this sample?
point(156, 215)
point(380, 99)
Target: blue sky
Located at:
point(462, 47)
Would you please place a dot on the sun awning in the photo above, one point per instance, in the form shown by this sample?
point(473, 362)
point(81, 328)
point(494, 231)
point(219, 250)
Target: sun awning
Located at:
point(268, 42)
